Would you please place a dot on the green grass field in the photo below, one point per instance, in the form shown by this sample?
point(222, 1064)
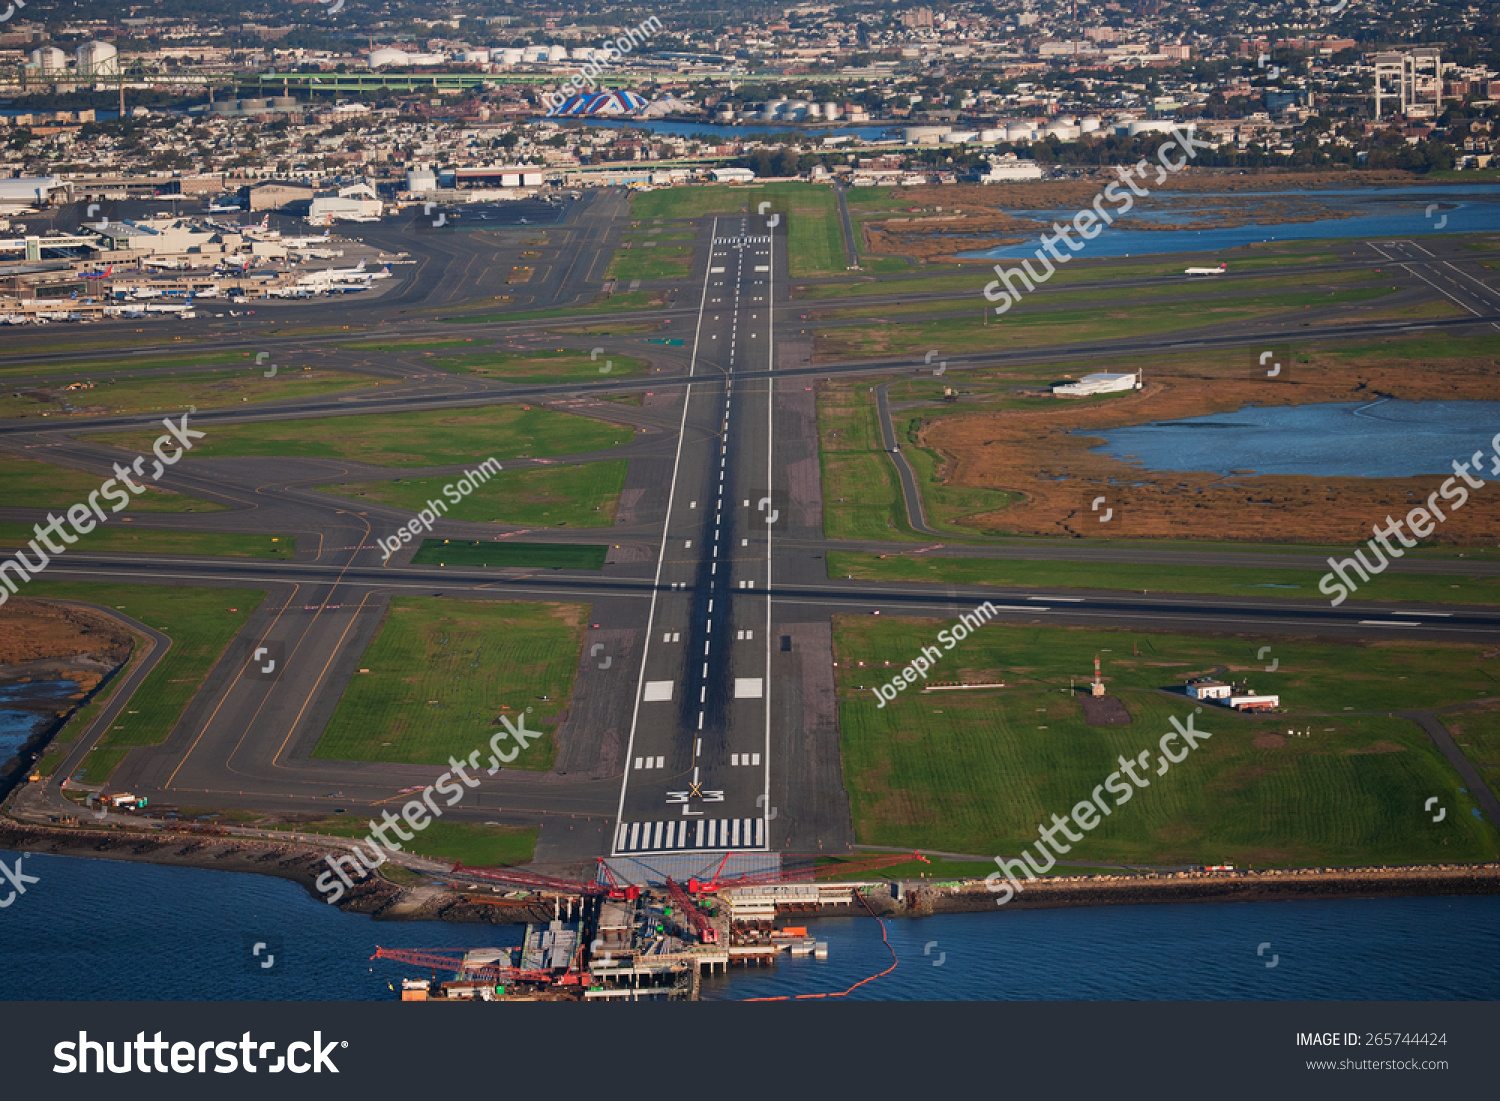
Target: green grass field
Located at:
point(583, 496)
point(636, 261)
point(1220, 580)
point(543, 367)
point(1022, 328)
point(443, 671)
point(1192, 292)
point(132, 539)
point(619, 302)
point(814, 236)
point(1477, 733)
point(976, 772)
point(201, 624)
point(411, 439)
point(176, 392)
point(401, 347)
point(27, 483)
point(547, 556)
point(97, 369)
point(473, 845)
point(861, 492)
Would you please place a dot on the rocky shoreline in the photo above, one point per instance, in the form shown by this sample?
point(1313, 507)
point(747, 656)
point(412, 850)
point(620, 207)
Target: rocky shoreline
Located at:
point(386, 901)
point(1135, 889)
point(292, 860)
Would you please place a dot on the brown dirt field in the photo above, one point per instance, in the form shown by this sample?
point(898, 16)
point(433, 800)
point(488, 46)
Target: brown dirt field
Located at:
point(35, 630)
point(1027, 451)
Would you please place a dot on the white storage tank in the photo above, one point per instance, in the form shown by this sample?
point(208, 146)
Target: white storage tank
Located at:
point(49, 59)
point(992, 135)
point(831, 110)
point(512, 55)
point(557, 53)
point(1018, 131)
point(1089, 124)
point(925, 135)
point(480, 57)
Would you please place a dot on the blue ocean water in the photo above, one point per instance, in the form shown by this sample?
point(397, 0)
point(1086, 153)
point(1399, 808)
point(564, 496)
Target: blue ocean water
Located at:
point(99, 929)
point(16, 725)
point(1384, 439)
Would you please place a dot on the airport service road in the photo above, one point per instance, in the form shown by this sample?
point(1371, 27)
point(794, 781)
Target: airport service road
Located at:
point(698, 760)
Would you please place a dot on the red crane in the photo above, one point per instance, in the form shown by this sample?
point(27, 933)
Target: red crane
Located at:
point(535, 881)
point(435, 959)
point(806, 874)
point(707, 934)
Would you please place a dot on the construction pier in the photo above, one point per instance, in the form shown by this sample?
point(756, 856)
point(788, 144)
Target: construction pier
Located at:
point(633, 936)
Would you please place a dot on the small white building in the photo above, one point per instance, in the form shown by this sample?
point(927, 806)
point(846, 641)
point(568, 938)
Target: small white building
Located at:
point(1209, 690)
point(732, 175)
point(1010, 169)
point(1100, 382)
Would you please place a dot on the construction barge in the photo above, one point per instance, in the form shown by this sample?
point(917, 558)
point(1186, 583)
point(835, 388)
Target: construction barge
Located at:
point(624, 936)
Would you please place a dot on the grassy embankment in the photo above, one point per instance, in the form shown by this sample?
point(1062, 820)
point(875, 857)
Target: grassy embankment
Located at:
point(976, 772)
point(442, 671)
point(471, 844)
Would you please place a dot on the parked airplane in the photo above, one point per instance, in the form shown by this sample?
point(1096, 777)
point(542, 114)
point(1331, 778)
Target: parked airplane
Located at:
point(304, 242)
point(1220, 270)
point(105, 274)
